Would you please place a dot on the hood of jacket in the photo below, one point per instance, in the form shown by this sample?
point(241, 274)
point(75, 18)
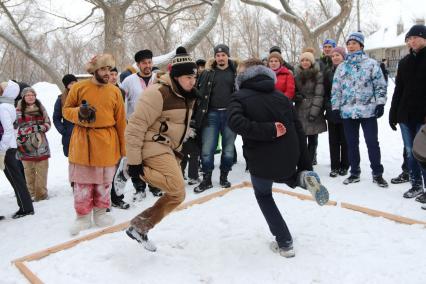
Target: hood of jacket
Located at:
point(258, 78)
point(10, 93)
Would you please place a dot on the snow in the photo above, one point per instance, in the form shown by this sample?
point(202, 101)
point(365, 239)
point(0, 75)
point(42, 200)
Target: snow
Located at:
point(226, 240)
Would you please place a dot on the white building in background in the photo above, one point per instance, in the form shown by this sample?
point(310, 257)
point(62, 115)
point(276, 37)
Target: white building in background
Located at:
point(389, 43)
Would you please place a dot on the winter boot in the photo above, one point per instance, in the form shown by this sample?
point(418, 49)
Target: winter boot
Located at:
point(421, 198)
point(20, 214)
point(413, 192)
point(334, 173)
point(312, 183)
point(424, 207)
point(403, 177)
point(224, 179)
point(141, 238)
point(205, 184)
point(380, 181)
point(83, 222)
point(351, 179)
point(285, 251)
point(155, 191)
point(101, 218)
point(1, 217)
point(193, 181)
point(120, 204)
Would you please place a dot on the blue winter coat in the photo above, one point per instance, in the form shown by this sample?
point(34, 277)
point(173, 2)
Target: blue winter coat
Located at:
point(358, 87)
point(63, 126)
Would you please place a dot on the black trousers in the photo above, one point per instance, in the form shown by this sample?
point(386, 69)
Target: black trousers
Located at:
point(14, 174)
point(312, 146)
point(404, 165)
point(191, 157)
point(338, 147)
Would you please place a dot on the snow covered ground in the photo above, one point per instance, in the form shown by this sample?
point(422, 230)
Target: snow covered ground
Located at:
point(226, 240)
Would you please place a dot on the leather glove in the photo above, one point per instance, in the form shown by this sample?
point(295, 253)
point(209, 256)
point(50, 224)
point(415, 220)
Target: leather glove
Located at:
point(392, 125)
point(86, 113)
point(380, 109)
point(2, 157)
point(135, 171)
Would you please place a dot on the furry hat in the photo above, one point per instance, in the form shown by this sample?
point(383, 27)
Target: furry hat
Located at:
point(99, 61)
point(221, 48)
point(27, 90)
point(277, 55)
point(309, 56)
point(182, 64)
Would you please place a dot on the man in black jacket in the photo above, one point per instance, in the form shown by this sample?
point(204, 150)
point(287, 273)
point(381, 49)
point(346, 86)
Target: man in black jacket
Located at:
point(216, 85)
point(274, 145)
point(409, 104)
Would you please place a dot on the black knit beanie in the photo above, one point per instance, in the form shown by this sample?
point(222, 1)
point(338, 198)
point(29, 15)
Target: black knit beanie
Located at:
point(68, 79)
point(182, 64)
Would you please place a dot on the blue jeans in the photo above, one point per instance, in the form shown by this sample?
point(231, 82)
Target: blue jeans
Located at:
point(217, 123)
point(409, 131)
point(369, 127)
point(265, 200)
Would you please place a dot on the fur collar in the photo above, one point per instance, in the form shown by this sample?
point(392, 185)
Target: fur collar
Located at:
point(252, 72)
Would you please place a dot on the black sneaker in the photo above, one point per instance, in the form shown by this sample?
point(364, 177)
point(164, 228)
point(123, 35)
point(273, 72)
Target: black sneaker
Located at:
point(380, 181)
point(334, 173)
point(413, 192)
point(421, 198)
point(351, 179)
point(403, 177)
point(343, 172)
point(20, 214)
point(121, 204)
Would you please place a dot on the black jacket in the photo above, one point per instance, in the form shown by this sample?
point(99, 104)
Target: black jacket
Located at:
point(252, 113)
point(205, 86)
point(409, 97)
point(63, 126)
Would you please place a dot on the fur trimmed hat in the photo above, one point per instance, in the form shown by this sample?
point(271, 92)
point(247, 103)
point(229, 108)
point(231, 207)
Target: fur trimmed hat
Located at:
point(143, 54)
point(182, 64)
point(277, 55)
point(99, 61)
point(309, 56)
point(27, 90)
point(221, 48)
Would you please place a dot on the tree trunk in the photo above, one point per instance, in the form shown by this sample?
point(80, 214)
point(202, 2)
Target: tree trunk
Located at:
point(114, 30)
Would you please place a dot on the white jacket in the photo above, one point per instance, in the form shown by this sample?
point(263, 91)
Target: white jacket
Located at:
point(8, 116)
point(134, 86)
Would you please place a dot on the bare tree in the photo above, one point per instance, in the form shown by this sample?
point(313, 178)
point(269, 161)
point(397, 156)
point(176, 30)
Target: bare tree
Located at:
point(310, 35)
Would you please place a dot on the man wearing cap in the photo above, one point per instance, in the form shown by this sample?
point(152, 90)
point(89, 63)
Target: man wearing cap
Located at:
point(63, 126)
point(358, 97)
point(216, 86)
point(154, 137)
point(325, 59)
point(408, 108)
point(134, 85)
point(97, 143)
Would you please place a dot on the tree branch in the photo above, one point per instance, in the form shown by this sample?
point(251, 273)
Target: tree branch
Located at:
point(15, 25)
point(345, 9)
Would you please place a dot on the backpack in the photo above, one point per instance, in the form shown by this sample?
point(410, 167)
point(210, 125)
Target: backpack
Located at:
point(419, 145)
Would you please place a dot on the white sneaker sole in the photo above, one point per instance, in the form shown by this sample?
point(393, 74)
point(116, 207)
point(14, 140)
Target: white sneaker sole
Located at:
point(318, 191)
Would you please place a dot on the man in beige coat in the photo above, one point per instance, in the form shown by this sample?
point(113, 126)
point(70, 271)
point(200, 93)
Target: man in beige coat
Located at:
point(154, 136)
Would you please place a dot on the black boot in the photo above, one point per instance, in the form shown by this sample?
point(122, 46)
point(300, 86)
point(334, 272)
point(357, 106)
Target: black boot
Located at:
point(206, 183)
point(224, 179)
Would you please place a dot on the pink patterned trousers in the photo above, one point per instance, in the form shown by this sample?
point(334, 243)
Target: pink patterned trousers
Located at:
point(88, 196)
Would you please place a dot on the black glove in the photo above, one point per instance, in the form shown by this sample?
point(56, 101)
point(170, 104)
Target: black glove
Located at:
point(135, 171)
point(86, 112)
point(392, 125)
point(380, 109)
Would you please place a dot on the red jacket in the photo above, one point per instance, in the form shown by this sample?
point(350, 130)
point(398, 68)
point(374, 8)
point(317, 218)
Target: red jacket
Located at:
point(285, 82)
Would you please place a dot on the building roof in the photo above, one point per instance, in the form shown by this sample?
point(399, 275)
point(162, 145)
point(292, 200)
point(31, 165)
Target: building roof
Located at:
point(385, 37)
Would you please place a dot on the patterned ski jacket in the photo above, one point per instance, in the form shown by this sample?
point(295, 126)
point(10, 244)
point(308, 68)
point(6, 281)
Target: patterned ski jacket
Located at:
point(358, 87)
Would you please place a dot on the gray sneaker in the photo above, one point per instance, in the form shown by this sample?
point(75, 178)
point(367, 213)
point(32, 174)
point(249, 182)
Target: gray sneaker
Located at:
point(283, 251)
point(351, 179)
point(413, 192)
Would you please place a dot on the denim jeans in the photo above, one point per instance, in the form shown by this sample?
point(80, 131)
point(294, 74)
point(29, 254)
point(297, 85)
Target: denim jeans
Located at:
point(369, 127)
point(277, 226)
point(217, 123)
point(409, 131)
